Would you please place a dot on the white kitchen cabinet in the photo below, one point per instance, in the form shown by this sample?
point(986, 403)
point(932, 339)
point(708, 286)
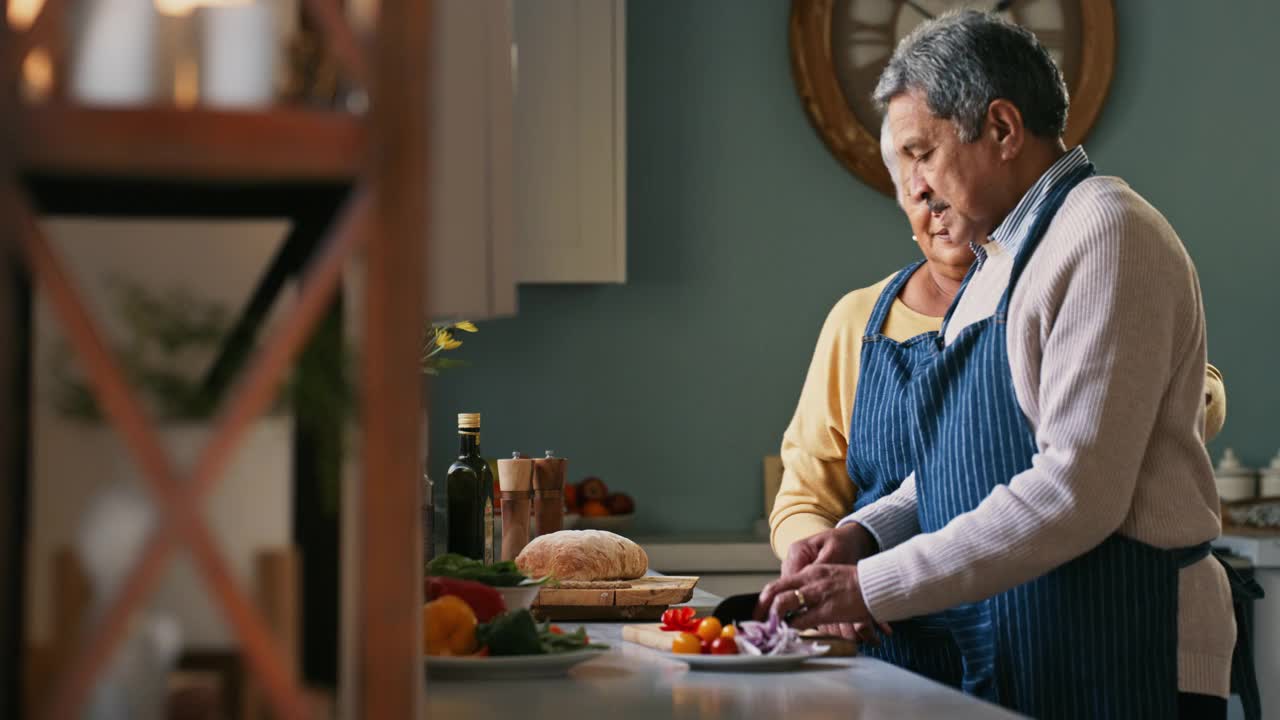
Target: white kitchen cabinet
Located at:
point(570, 141)
point(470, 267)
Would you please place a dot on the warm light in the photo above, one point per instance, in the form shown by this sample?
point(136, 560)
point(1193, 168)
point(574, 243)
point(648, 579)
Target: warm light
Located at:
point(37, 74)
point(23, 12)
point(183, 7)
point(186, 83)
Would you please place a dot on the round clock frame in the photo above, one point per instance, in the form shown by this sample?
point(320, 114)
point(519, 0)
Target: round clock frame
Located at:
point(858, 147)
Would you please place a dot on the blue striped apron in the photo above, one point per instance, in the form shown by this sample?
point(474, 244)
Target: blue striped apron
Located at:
point(879, 458)
point(1095, 637)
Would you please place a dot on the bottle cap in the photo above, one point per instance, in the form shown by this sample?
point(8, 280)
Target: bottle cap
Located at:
point(469, 420)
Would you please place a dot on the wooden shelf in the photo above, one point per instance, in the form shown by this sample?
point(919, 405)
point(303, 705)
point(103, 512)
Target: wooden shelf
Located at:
point(276, 145)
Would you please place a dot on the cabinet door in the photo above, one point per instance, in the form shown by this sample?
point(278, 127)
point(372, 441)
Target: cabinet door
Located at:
point(570, 135)
point(470, 266)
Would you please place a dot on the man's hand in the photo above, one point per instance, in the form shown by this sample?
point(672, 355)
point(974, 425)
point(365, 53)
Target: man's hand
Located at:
point(861, 633)
point(828, 594)
point(844, 545)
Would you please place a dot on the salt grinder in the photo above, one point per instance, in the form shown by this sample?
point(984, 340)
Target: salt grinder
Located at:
point(515, 480)
point(548, 494)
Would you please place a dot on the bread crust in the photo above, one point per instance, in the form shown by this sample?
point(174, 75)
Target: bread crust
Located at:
point(583, 555)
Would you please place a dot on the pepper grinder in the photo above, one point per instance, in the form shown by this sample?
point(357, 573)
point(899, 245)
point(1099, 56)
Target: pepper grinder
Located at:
point(515, 480)
point(548, 494)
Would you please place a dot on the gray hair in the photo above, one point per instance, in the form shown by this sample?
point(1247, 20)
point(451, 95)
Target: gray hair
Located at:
point(889, 154)
point(964, 60)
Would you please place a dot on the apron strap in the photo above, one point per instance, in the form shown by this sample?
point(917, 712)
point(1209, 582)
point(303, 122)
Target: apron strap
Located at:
point(1244, 679)
point(1036, 233)
point(880, 313)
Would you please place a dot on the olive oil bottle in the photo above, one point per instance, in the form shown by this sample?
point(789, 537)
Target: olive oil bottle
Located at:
point(470, 495)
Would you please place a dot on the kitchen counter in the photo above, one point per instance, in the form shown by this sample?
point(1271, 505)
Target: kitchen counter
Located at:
point(632, 681)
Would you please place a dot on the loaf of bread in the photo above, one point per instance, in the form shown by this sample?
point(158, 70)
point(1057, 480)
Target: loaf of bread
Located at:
point(583, 555)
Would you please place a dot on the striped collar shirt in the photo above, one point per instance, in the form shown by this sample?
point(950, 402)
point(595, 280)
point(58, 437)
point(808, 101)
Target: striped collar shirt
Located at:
point(1013, 229)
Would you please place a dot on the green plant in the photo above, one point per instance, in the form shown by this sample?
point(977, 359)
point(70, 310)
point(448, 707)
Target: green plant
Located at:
point(170, 338)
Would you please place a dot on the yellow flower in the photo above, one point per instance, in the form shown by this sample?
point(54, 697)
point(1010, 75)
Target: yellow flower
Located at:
point(467, 326)
point(446, 341)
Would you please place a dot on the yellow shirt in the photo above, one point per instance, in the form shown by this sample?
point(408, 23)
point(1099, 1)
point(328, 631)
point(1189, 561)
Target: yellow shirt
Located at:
point(816, 491)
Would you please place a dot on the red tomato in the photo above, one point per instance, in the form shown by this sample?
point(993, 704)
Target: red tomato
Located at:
point(686, 644)
point(704, 647)
point(555, 630)
point(709, 629)
point(724, 646)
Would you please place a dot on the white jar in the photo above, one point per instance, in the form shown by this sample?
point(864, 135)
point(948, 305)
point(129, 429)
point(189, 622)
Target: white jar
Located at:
point(1269, 484)
point(1235, 481)
point(115, 53)
point(239, 54)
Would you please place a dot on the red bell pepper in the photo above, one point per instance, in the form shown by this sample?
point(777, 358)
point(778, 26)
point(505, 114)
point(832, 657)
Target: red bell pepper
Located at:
point(679, 619)
point(485, 602)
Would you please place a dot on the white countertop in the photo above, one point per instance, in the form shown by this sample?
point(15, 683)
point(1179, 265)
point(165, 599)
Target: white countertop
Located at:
point(634, 682)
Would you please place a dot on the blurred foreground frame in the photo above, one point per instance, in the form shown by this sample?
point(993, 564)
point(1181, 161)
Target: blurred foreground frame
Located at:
point(56, 156)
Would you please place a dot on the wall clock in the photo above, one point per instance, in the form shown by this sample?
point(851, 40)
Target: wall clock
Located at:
point(839, 48)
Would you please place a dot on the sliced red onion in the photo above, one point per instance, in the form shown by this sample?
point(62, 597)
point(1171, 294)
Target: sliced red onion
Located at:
point(773, 637)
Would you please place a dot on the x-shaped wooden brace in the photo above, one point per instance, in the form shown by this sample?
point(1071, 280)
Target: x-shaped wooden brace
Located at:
point(181, 520)
point(180, 501)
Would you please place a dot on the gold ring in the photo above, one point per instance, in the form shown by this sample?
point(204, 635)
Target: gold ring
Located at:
point(800, 599)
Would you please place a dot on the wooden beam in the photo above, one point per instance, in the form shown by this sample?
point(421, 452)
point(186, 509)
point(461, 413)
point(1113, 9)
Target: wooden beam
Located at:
point(177, 501)
point(263, 146)
point(15, 404)
point(339, 39)
point(391, 562)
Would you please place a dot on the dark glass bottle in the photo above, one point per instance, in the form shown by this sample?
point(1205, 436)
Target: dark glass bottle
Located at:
point(470, 495)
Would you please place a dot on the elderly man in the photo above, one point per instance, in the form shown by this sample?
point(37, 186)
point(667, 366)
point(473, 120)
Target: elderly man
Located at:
point(1062, 501)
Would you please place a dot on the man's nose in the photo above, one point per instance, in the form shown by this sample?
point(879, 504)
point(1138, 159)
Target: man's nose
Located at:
point(919, 188)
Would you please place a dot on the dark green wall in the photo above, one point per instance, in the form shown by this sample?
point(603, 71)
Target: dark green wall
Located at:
point(743, 230)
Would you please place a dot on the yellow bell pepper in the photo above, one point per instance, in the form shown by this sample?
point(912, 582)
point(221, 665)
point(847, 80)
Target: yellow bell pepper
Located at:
point(448, 627)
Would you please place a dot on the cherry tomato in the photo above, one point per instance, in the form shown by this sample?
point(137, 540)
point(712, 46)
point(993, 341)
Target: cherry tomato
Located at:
point(686, 643)
point(724, 646)
point(709, 629)
point(555, 630)
point(730, 632)
point(704, 647)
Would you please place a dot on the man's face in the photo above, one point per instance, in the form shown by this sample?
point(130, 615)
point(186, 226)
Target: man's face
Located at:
point(956, 179)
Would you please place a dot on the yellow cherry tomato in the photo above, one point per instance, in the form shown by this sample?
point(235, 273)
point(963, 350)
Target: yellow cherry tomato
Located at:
point(709, 628)
point(448, 627)
point(729, 632)
point(686, 643)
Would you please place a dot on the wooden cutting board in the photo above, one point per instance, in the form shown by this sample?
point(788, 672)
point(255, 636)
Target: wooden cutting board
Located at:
point(641, 599)
point(653, 636)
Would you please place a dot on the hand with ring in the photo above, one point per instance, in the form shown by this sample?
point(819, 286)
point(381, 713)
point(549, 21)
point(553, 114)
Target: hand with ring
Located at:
point(817, 595)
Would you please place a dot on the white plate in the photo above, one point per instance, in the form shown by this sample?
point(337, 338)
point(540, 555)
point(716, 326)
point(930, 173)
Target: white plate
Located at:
point(515, 667)
point(742, 662)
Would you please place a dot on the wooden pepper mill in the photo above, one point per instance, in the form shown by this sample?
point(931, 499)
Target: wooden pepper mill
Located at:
point(515, 480)
point(548, 494)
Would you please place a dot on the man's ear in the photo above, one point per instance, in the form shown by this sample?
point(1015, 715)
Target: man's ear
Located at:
point(1004, 127)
